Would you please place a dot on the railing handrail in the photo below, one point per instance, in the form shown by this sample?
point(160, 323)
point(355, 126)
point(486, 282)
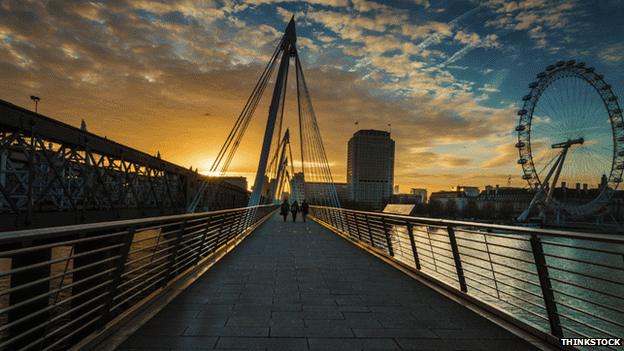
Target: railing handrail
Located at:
point(525, 230)
point(473, 267)
point(111, 269)
point(50, 232)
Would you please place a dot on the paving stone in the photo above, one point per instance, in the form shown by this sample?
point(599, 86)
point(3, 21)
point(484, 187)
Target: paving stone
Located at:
point(393, 333)
point(316, 331)
point(262, 343)
point(248, 322)
point(226, 331)
point(352, 344)
point(341, 323)
point(152, 342)
point(463, 344)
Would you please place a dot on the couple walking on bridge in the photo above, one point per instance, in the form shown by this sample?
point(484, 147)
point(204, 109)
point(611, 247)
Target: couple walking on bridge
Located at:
point(294, 209)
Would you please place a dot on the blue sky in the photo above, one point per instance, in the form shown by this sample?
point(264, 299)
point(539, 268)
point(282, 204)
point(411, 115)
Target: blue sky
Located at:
point(172, 76)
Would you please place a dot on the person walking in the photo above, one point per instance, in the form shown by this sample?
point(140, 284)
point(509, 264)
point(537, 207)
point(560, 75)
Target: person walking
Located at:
point(294, 208)
point(304, 209)
point(284, 209)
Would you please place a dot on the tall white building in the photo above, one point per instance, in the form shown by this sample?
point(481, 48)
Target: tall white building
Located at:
point(370, 168)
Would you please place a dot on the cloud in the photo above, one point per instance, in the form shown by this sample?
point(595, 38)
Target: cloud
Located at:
point(612, 54)
point(503, 155)
point(467, 38)
point(472, 41)
point(145, 73)
point(534, 16)
point(487, 88)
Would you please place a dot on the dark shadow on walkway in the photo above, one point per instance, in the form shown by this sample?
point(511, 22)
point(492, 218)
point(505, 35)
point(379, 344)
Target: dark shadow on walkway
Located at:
point(299, 286)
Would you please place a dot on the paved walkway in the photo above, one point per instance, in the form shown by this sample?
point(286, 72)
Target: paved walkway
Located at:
point(299, 286)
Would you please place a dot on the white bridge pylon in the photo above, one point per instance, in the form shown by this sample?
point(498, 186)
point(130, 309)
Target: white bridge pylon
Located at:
point(273, 174)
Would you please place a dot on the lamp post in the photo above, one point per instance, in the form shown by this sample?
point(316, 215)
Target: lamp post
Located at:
point(36, 100)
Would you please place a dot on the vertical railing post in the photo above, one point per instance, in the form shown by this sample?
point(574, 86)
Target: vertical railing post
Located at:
point(410, 233)
point(230, 228)
point(174, 255)
point(124, 251)
point(332, 216)
point(341, 219)
point(388, 236)
point(457, 259)
point(357, 226)
point(219, 232)
point(200, 250)
point(547, 292)
point(370, 232)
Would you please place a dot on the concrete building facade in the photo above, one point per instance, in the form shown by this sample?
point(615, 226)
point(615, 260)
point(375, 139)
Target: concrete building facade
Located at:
point(370, 169)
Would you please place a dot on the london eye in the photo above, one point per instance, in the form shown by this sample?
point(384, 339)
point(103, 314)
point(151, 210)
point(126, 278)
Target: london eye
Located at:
point(570, 141)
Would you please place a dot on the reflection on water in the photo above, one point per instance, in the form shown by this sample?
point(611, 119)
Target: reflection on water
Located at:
point(587, 277)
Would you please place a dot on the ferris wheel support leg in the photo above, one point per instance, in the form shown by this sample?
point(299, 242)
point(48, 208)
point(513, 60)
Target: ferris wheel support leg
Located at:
point(539, 196)
point(559, 166)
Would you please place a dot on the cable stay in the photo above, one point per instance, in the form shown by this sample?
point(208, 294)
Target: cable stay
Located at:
point(276, 166)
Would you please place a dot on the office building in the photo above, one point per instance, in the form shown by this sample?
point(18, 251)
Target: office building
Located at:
point(297, 187)
point(370, 169)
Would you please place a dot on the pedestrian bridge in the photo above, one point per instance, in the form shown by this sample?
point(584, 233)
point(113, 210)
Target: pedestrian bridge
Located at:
point(244, 279)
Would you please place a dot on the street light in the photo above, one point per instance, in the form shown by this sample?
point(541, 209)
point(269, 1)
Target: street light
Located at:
point(36, 100)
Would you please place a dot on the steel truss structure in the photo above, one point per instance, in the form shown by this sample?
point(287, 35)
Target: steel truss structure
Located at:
point(47, 167)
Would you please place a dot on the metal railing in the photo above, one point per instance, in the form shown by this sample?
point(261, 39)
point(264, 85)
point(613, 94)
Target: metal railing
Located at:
point(553, 283)
point(60, 284)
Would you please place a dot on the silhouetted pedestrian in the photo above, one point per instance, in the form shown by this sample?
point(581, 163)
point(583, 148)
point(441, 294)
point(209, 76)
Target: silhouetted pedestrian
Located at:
point(284, 209)
point(294, 208)
point(304, 209)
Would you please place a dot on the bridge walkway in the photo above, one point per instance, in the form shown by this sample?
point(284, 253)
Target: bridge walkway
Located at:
point(298, 286)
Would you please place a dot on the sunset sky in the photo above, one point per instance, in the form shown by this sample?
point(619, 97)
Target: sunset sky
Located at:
point(172, 76)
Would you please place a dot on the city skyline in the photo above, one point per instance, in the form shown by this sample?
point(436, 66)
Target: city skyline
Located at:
point(448, 76)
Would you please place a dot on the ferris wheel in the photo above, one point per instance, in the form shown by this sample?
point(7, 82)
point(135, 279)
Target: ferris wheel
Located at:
point(570, 140)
